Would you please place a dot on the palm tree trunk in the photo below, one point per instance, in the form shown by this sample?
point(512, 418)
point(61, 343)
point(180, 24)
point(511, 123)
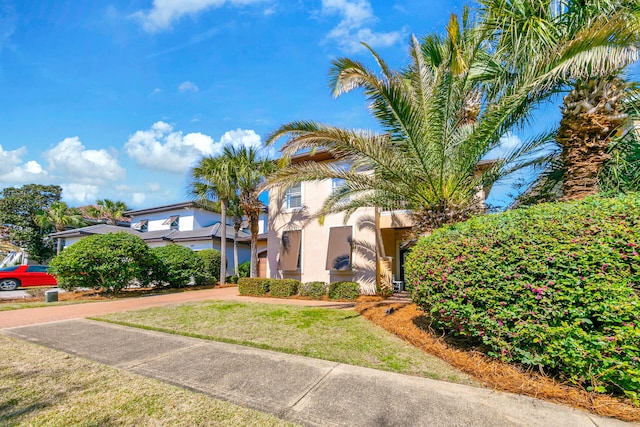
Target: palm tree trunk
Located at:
point(253, 223)
point(223, 241)
point(591, 115)
point(236, 268)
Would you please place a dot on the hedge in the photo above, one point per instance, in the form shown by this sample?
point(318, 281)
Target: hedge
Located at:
point(315, 290)
point(553, 287)
point(107, 261)
point(282, 288)
point(178, 265)
point(344, 290)
point(211, 258)
point(253, 286)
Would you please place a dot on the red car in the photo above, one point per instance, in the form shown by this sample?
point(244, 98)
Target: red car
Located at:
point(25, 275)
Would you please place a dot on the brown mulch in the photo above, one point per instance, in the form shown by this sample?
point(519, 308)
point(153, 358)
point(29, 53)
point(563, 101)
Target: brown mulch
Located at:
point(409, 323)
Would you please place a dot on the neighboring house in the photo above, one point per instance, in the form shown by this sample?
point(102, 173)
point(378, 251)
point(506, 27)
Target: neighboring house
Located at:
point(186, 224)
point(369, 248)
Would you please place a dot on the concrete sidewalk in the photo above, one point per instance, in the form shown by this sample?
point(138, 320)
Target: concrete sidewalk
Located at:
point(300, 389)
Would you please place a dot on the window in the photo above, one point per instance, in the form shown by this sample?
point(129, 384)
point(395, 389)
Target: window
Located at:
point(37, 268)
point(290, 250)
point(142, 225)
point(337, 184)
point(173, 222)
point(293, 196)
point(339, 250)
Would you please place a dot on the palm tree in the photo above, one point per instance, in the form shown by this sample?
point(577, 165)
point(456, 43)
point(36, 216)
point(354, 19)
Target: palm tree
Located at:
point(249, 170)
point(212, 179)
point(108, 209)
point(435, 131)
point(235, 212)
point(578, 46)
point(59, 216)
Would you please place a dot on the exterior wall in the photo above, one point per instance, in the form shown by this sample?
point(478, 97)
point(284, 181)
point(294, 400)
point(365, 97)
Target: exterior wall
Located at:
point(315, 239)
point(190, 219)
point(244, 251)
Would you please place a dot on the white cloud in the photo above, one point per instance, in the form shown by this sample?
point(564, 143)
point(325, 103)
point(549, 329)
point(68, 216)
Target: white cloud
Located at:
point(188, 87)
point(13, 171)
point(352, 29)
point(154, 92)
point(508, 142)
point(164, 12)
point(73, 161)
point(162, 148)
point(138, 198)
point(80, 193)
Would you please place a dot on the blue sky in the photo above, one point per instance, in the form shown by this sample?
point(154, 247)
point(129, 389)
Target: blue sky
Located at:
point(117, 99)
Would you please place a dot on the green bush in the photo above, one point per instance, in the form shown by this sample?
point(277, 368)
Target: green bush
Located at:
point(107, 261)
point(256, 286)
point(244, 269)
point(344, 290)
point(282, 288)
point(232, 279)
point(554, 287)
point(315, 290)
point(211, 258)
point(178, 265)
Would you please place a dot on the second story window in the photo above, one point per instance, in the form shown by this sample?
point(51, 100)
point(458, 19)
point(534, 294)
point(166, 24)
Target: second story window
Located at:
point(142, 225)
point(173, 222)
point(293, 197)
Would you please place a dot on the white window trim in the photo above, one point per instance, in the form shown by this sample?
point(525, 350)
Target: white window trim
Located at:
point(288, 208)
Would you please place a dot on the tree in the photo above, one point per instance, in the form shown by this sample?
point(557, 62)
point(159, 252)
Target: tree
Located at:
point(59, 216)
point(236, 213)
point(108, 261)
point(580, 47)
point(108, 209)
point(18, 210)
point(249, 170)
point(435, 131)
point(178, 265)
point(212, 180)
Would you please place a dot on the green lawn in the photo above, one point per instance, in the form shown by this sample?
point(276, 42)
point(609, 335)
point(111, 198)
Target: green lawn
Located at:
point(340, 335)
point(44, 387)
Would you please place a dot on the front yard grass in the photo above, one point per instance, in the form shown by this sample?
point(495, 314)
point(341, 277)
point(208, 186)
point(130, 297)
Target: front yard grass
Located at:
point(40, 386)
point(340, 335)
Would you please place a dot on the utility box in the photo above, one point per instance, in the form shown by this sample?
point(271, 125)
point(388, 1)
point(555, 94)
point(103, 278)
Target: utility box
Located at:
point(51, 296)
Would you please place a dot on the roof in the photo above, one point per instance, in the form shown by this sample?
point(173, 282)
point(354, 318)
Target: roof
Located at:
point(93, 229)
point(262, 236)
point(165, 208)
point(85, 215)
point(312, 156)
point(206, 233)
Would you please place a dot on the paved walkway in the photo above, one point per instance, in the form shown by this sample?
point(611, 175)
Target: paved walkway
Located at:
point(32, 316)
point(308, 391)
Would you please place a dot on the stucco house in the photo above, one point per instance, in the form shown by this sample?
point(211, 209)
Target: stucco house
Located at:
point(369, 248)
point(187, 224)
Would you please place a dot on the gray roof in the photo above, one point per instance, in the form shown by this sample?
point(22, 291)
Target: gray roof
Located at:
point(165, 208)
point(93, 229)
point(204, 233)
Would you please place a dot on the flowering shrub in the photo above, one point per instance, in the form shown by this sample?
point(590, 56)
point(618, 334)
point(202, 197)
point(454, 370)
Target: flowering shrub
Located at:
point(554, 286)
